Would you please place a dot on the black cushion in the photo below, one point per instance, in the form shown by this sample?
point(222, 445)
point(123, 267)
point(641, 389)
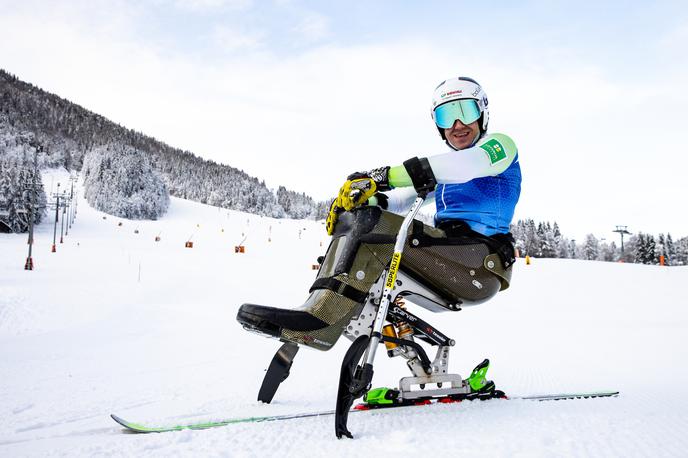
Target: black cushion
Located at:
point(272, 320)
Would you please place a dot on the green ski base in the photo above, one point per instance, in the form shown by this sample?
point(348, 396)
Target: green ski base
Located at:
point(140, 428)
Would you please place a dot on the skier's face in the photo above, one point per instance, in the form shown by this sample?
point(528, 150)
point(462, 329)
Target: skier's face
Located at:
point(461, 135)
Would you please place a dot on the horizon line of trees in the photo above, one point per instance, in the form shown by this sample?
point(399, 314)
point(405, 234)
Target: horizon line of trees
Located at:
point(545, 240)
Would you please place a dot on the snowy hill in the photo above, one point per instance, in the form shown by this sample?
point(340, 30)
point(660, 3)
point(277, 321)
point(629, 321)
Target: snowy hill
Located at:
point(115, 322)
point(67, 133)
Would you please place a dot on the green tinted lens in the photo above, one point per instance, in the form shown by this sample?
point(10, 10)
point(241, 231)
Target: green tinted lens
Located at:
point(466, 111)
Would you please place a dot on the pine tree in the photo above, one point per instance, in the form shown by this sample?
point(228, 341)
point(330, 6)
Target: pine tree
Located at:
point(573, 249)
point(540, 233)
point(681, 256)
point(631, 247)
point(564, 250)
point(548, 245)
point(651, 255)
point(532, 241)
point(670, 251)
point(660, 248)
point(640, 254)
point(560, 245)
point(518, 231)
point(608, 252)
point(591, 249)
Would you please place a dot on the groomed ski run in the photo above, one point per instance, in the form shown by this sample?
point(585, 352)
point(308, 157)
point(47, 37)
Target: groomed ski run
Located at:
point(82, 337)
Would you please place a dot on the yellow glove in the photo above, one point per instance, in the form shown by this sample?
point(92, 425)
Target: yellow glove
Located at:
point(358, 188)
point(356, 192)
point(332, 216)
point(351, 195)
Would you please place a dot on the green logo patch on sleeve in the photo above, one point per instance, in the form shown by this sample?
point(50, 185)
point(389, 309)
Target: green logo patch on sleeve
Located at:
point(495, 151)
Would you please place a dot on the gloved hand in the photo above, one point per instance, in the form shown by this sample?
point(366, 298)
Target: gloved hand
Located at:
point(356, 191)
point(360, 186)
point(332, 216)
point(379, 199)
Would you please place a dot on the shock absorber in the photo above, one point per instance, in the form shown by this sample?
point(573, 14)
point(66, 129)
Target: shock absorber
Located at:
point(389, 331)
point(405, 331)
point(398, 330)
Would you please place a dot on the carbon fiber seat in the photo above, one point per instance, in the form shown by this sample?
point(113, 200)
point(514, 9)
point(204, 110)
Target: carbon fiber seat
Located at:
point(455, 271)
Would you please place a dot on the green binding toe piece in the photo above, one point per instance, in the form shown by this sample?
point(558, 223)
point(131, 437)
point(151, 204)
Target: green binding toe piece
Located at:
point(477, 378)
point(379, 396)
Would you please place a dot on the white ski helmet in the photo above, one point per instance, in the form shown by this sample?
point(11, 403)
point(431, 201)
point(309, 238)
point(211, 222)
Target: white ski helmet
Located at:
point(448, 105)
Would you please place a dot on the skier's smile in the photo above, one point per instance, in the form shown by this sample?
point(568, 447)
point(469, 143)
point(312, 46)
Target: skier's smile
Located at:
point(461, 135)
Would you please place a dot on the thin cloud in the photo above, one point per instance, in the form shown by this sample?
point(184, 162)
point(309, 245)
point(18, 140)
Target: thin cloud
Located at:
point(212, 5)
point(231, 39)
point(313, 27)
point(676, 37)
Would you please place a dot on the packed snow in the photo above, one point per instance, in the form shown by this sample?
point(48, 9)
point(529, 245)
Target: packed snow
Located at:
point(117, 322)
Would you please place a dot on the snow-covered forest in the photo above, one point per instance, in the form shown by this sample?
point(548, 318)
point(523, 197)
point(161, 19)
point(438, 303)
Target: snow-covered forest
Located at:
point(66, 133)
point(119, 180)
point(21, 188)
point(545, 240)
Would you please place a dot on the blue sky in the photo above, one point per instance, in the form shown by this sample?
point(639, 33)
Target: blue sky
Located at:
point(613, 33)
point(303, 93)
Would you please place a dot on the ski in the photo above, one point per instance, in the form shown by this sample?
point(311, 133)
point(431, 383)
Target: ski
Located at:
point(559, 397)
point(141, 428)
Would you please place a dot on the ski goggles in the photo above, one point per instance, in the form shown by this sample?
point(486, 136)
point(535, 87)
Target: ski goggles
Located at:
point(465, 110)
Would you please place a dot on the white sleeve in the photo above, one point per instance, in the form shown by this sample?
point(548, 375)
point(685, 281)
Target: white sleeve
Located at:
point(400, 200)
point(491, 156)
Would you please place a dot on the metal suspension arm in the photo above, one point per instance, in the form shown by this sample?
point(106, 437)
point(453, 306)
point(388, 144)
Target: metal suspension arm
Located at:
point(376, 335)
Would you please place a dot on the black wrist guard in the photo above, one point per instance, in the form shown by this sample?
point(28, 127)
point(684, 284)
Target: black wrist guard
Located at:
point(421, 175)
point(381, 178)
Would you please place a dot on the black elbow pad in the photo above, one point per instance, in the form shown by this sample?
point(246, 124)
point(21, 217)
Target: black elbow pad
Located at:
point(421, 175)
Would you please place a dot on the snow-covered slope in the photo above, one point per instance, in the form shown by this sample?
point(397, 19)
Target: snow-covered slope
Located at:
point(117, 322)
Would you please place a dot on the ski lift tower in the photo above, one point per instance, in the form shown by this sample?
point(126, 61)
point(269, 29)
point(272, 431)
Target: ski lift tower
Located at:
point(622, 230)
point(57, 215)
point(73, 177)
point(33, 202)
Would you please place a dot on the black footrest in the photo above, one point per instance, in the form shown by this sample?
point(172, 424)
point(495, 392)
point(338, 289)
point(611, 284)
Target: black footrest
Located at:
point(271, 320)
